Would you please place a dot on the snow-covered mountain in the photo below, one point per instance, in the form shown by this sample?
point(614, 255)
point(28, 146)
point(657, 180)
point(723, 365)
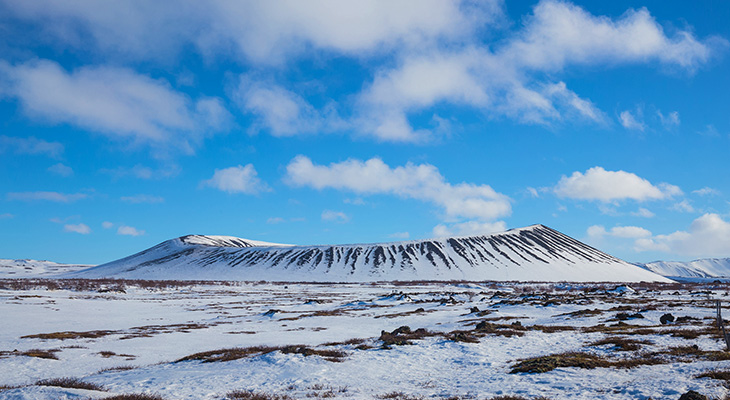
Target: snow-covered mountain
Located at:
point(35, 269)
point(534, 253)
point(704, 268)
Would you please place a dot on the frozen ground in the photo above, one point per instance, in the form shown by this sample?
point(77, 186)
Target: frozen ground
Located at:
point(128, 337)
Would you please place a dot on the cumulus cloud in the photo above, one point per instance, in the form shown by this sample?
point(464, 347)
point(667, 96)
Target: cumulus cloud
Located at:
point(559, 33)
point(422, 182)
point(282, 112)
point(238, 179)
point(629, 121)
point(129, 231)
point(335, 216)
point(707, 236)
point(509, 80)
point(626, 232)
point(30, 145)
point(468, 228)
point(117, 102)
point(441, 59)
point(142, 198)
point(47, 196)
point(607, 186)
point(267, 32)
point(107, 225)
point(77, 228)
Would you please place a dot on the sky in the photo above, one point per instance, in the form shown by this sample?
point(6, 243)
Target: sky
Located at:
point(125, 124)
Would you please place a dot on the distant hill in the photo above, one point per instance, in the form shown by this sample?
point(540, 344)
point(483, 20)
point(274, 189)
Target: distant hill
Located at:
point(704, 268)
point(35, 268)
point(534, 253)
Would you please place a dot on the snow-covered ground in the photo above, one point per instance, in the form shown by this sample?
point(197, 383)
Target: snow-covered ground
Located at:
point(127, 338)
point(35, 268)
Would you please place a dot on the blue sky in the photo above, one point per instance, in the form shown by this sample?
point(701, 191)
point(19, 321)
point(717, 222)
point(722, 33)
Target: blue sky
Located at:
point(124, 124)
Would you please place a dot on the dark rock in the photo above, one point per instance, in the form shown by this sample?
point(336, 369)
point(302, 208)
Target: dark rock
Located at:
point(692, 395)
point(666, 318)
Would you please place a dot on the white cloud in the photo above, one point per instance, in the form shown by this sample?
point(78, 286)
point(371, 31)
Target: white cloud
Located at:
point(643, 212)
point(683, 206)
point(61, 170)
point(282, 112)
point(47, 196)
point(275, 220)
point(626, 232)
point(30, 145)
point(706, 191)
point(441, 58)
point(670, 120)
point(606, 186)
point(533, 192)
point(468, 228)
point(142, 198)
point(629, 121)
point(559, 33)
point(129, 231)
point(77, 228)
point(239, 179)
point(357, 201)
point(263, 32)
point(708, 236)
point(143, 172)
point(107, 225)
point(400, 235)
point(117, 102)
point(422, 182)
point(335, 216)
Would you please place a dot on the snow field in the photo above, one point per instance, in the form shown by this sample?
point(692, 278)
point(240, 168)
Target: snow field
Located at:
point(148, 329)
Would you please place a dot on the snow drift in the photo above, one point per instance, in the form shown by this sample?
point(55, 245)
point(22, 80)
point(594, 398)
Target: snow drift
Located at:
point(534, 253)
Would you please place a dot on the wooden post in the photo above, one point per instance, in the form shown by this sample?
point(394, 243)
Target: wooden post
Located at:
point(721, 325)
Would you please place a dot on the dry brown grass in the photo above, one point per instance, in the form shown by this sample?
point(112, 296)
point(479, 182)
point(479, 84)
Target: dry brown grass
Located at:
point(236, 353)
point(135, 396)
point(721, 375)
point(68, 335)
point(578, 360)
point(398, 396)
point(249, 395)
point(621, 344)
point(49, 354)
point(403, 336)
point(71, 383)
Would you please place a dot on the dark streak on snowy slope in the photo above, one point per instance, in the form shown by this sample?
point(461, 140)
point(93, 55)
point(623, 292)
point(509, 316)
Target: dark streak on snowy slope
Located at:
point(533, 253)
